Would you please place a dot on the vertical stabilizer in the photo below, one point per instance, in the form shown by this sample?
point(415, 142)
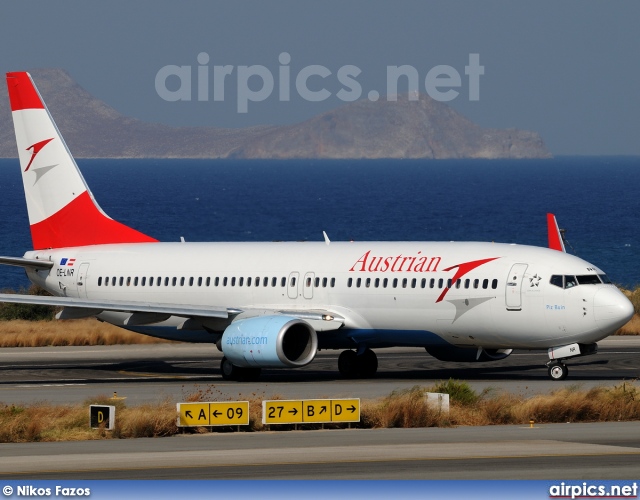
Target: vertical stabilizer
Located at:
point(555, 237)
point(62, 210)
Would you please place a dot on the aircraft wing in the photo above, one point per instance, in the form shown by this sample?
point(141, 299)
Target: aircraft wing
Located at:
point(86, 308)
point(150, 312)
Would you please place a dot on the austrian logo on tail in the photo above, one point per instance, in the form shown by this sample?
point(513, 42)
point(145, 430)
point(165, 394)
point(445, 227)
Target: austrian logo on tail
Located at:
point(37, 147)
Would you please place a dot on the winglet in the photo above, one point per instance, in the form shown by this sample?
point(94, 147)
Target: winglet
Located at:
point(555, 237)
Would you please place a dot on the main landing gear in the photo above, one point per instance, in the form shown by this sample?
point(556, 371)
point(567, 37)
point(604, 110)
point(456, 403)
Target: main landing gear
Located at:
point(354, 365)
point(230, 371)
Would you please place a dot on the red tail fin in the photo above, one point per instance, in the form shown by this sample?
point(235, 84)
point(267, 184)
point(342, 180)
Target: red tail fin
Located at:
point(62, 210)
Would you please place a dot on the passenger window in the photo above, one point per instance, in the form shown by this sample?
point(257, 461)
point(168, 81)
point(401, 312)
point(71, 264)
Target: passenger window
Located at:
point(317, 283)
point(458, 283)
point(423, 283)
point(241, 281)
point(494, 284)
point(308, 282)
point(358, 282)
point(257, 281)
point(174, 281)
point(151, 281)
point(476, 283)
point(224, 281)
point(377, 283)
point(166, 281)
point(324, 282)
point(265, 282)
point(333, 282)
point(274, 281)
point(395, 282)
point(129, 281)
point(385, 282)
point(182, 281)
point(199, 281)
point(440, 283)
point(404, 283)
point(467, 283)
point(293, 281)
point(485, 284)
point(191, 281)
point(349, 282)
point(449, 283)
point(135, 281)
point(284, 282)
point(100, 281)
point(414, 282)
point(233, 281)
point(249, 281)
point(368, 283)
point(432, 283)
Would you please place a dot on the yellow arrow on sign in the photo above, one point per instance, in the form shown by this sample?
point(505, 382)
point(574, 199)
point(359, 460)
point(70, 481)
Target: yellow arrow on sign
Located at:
point(190, 414)
point(282, 412)
point(345, 410)
point(316, 410)
point(233, 413)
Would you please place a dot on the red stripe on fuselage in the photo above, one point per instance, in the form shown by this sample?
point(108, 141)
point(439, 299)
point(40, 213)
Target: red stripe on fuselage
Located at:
point(22, 93)
point(80, 223)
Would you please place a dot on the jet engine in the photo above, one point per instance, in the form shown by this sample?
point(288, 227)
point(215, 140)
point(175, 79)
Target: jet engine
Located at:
point(270, 341)
point(467, 354)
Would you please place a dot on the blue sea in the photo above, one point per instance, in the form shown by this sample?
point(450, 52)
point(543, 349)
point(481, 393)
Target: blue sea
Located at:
point(597, 199)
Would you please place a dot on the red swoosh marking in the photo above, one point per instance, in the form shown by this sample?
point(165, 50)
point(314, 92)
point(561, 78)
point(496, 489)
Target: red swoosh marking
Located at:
point(36, 149)
point(463, 269)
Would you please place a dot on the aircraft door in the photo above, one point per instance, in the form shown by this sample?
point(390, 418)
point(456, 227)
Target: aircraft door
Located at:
point(307, 291)
point(82, 279)
point(292, 285)
point(514, 287)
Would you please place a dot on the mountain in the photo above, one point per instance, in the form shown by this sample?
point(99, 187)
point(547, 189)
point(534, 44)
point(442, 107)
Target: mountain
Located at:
point(384, 129)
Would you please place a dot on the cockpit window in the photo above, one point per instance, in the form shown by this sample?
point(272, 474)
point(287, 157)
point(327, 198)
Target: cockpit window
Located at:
point(605, 279)
point(570, 281)
point(588, 279)
point(557, 280)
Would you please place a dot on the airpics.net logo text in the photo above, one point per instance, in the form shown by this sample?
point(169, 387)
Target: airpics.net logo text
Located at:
point(257, 83)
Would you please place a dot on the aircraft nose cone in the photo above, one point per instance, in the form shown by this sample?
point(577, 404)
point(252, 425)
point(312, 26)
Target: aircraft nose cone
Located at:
point(611, 309)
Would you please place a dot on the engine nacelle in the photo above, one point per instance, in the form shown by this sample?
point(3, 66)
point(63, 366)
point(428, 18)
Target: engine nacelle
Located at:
point(270, 341)
point(468, 354)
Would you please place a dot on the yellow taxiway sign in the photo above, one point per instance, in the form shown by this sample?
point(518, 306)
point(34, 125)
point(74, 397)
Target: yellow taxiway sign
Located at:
point(310, 411)
point(214, 413)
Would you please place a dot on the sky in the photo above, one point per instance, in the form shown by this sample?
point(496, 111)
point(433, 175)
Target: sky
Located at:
point(568, 70)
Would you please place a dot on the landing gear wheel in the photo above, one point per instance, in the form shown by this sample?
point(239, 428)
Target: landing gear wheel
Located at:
point(228, 370)
point(558, 371)
point(348, 364)
point(367, 364)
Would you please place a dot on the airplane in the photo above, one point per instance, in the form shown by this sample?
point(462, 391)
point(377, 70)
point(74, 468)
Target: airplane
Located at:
point(275, 304)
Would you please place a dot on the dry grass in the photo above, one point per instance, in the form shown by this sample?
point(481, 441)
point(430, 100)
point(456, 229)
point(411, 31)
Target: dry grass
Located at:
point(45, 422)
point(80, 332)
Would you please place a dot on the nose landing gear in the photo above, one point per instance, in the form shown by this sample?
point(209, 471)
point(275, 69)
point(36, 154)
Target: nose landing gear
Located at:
point(557, 370)
point(556, 367)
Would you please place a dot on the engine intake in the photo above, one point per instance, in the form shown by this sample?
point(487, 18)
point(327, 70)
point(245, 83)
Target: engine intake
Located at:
point(270, 341)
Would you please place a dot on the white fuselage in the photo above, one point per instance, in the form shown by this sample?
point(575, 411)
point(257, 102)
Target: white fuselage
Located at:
point(389, 293)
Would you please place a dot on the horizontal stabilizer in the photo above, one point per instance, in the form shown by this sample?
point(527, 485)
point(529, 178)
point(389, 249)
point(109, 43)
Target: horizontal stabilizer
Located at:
point(26, 263)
